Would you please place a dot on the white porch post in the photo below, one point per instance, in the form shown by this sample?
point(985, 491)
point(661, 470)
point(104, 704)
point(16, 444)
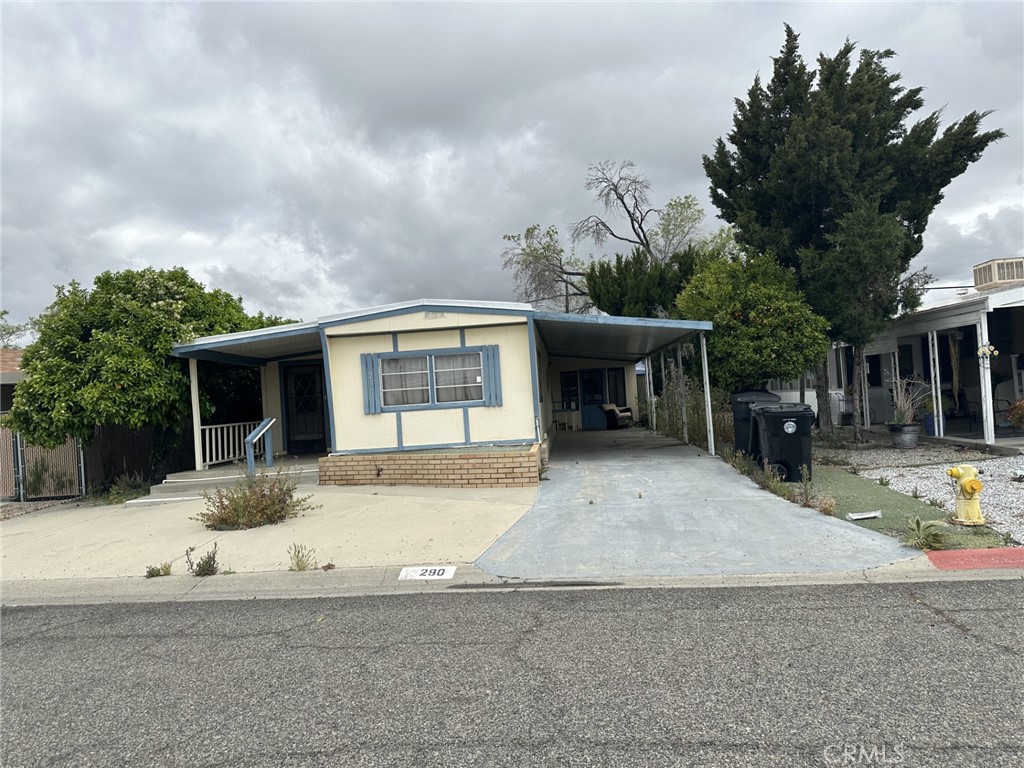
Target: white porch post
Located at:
point(197, 435)
point(682, 393)
point(865, 401)
point(936, 382)
point(707, 394)
point(985, 376)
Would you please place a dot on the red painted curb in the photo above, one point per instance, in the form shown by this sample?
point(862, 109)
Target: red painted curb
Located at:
point(973, 559)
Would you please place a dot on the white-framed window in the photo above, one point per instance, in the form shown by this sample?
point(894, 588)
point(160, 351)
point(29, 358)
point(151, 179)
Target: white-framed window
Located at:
point(441, 378)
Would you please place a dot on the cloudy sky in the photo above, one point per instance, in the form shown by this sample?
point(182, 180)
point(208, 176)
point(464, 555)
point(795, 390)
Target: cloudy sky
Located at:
point(316, 158)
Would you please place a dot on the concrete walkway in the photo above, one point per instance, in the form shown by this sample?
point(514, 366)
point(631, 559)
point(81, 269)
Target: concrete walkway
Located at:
point(630, 503)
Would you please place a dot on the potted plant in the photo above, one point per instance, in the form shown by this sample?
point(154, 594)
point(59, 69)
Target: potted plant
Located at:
point(908, 397)
point(945, 403)
point(1015, 415)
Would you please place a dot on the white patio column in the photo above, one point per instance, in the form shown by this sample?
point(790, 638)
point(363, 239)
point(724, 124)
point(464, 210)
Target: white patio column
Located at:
point(936, 382)
point(865, 405)
point(651, 405)
point(707, 394)
point(197, 435)
point(985, 376)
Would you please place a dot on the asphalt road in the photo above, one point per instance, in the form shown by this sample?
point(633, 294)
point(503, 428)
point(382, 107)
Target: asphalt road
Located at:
point(889, 674)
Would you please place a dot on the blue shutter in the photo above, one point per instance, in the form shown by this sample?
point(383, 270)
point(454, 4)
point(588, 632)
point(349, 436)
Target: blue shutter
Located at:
point(492, 374)
point(371, 391)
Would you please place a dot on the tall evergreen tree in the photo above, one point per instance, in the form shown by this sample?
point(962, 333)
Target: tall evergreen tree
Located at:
point(637, 285)
point(822, 171)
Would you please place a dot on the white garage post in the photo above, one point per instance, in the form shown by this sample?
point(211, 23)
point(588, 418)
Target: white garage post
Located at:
point(707, 393)
point(864, 401)
point(197, 439)
point(985, 374)
point(936, 382)
point(682, 392)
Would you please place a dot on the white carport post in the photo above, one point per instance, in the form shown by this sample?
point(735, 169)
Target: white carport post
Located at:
point(707, 393)
point(682, 392)
point(197, 435)
point(985, 375)
point(649, 384)
point(936, 383)
point(864, 401)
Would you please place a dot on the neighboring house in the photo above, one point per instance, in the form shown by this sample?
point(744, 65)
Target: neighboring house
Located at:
point(948, 346)
point(435, 392)
point(10, 374)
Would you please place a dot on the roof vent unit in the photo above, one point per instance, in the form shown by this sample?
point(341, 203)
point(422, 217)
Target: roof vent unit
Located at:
point(998, 273)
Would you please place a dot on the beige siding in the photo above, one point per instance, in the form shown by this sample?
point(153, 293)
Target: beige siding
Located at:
point(272, 402)
point(423, 321)
point(408, 342)
point(438, 427)
point(357, 430)
point(514, 420)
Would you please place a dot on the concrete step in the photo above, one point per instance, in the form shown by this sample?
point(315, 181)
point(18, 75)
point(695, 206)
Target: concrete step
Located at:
point(192, 484)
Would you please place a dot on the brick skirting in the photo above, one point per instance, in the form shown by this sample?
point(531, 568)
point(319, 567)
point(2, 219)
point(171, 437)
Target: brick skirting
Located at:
point(514, 468)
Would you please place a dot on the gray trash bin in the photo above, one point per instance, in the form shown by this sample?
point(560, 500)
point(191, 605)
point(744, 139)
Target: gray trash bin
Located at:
point(741, 402)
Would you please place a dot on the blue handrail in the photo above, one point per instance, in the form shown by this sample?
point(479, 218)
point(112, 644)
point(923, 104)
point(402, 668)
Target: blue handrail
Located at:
point(268, 446)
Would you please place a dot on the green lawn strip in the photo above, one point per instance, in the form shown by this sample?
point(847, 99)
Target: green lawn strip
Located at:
point(854, 493)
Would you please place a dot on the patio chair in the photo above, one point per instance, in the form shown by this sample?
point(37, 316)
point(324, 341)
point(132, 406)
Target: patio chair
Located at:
point(617, 417)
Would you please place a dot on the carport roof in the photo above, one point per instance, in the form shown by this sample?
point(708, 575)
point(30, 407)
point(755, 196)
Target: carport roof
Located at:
point(626, 339)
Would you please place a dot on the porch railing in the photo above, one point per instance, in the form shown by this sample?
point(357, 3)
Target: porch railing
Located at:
point(223, 443)
point(263, 432)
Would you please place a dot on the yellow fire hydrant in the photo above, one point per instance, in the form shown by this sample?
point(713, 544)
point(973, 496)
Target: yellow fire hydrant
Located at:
point(968, 487)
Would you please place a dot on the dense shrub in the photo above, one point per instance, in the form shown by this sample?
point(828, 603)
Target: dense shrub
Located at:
point(265, 499)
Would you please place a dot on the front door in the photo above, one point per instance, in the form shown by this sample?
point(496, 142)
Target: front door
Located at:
point(592, 395)
point(304, 409)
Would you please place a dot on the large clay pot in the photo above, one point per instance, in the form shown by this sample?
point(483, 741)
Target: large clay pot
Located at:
point(904, 435)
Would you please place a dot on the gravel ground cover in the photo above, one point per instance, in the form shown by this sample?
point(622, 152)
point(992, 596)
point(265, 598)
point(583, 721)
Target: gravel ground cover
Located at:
point(921, 472)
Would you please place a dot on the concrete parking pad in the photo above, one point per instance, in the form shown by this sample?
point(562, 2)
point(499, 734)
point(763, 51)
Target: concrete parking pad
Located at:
point(354, 527)
point(630, 503)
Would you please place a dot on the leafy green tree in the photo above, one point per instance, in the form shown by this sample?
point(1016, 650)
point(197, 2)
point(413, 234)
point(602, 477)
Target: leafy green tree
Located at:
point(102, 355)
point(544, 273)
point(819, 163)
point(763, 328)
point(10, 332)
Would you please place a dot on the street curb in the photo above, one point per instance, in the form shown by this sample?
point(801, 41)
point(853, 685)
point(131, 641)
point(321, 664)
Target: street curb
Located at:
point(366, 582)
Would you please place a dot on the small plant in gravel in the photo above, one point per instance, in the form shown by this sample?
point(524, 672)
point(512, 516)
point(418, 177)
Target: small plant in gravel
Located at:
point(265, 499)
point(164, 569)
point(884, 481)
point(302, 558)
point(937, 503)
point(806, 492)
point(925, 534)
point(207, 564)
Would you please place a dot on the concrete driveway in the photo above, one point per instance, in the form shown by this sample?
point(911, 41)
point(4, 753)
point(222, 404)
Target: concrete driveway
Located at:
point(629, 503)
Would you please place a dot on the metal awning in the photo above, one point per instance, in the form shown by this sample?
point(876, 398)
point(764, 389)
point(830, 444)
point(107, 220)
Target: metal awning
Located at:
point(603, 337)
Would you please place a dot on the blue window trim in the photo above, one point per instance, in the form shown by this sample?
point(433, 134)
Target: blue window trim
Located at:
point(490, 373)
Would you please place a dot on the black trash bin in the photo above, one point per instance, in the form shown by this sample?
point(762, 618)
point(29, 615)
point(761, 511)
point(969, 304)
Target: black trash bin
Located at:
point(741, 402)
point(781, 436)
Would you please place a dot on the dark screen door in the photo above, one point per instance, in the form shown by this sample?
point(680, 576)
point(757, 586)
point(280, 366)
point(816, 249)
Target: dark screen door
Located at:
point(304, 408)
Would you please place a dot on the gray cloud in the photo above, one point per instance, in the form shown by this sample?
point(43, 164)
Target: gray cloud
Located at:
point(315, 158)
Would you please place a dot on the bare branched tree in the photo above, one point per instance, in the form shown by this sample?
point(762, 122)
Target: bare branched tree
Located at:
point(625, 192)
